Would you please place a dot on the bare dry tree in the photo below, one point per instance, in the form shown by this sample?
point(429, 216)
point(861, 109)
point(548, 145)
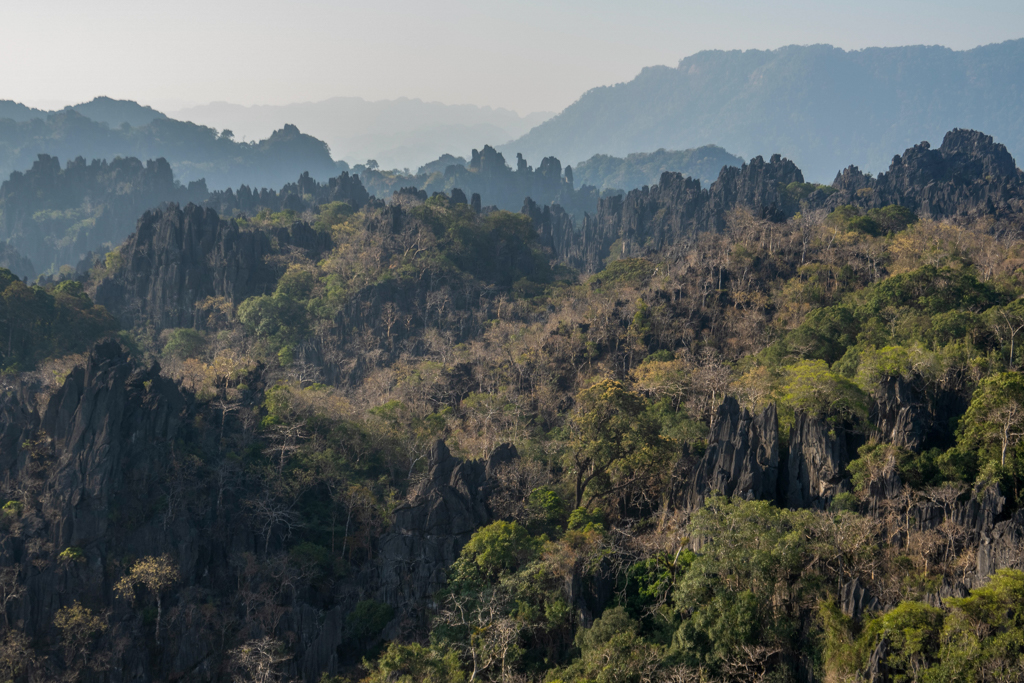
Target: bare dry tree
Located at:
point(257, 660)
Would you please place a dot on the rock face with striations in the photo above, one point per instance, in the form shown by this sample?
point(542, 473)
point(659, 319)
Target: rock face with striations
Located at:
point(179, 257)
point(97, 420)
point(429, 532)
point(898, 415)
point(913, 415)
point(671, 212)
point(101, 470)
point(1001, 548)
point(96, 453)
point(969, 174)
point(814, 471)
point(742, 459)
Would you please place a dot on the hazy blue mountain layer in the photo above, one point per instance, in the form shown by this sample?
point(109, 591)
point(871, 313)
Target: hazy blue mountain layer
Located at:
point(105, 129)
point(821, 106)
point(395, 133)
point(639, 169)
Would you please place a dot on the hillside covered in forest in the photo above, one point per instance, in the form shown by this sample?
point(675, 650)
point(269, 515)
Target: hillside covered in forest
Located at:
point(55, 219)
point(105, 129)
point(754, 429)
point(821, 106)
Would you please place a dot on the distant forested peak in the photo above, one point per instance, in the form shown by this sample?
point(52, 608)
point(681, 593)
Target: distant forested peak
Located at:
point(821, 106)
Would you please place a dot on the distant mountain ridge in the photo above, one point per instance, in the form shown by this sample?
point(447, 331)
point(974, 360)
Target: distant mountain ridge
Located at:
point(105, 129)
point(821, 106)
point(639, 169)
point(396, 133)
point(101, 110)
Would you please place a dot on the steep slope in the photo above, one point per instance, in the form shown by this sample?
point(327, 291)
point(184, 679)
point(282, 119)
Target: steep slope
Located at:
point(821, 106)
point(179, 257)
point(331, 458)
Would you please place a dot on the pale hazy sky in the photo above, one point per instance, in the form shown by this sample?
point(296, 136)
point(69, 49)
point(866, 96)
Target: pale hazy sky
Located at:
point(527, 55)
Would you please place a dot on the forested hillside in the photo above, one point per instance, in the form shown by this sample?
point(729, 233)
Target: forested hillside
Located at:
point(639, 169)
point(105, 129)
point(821, 106)
point(752, 430)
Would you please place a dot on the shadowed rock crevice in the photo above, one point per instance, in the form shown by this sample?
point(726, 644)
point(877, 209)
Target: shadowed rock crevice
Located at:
point(742, 459)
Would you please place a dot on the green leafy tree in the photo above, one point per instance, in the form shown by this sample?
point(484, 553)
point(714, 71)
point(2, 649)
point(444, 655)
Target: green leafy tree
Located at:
point(745, 589)
point(184, 343)
point(811, 387)
point(983, 635)
point(497, 549)
point(825, 333)
point(415, 663)
point(913, 631)
point(613, 651)
point(616, 442)
point(994, 421)
point(282, 319)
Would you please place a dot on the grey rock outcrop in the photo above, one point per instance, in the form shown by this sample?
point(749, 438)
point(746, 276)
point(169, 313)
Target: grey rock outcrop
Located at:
point(883, 489)
point(96, 421)
point(969, 174)
point(742, 457)
point(878, 670)
point(913, 415)
point(1003, 547)
point(19, 419)
point(179, 257)
point(428, 533)
point(96, 470)
point(96, 454)
point(855, 599)
point(670, 213)
point(814, 471)
point(898, 415)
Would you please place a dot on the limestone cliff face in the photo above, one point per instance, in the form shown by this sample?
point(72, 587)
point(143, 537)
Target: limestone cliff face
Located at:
point(104, 417)
point(179, 257)
point(429, 532)
point(742, 459)
point(909, 415)
point(648, 219)
point(101, 473)
point(91, 460)
point(814, 473)
point(969, 174)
